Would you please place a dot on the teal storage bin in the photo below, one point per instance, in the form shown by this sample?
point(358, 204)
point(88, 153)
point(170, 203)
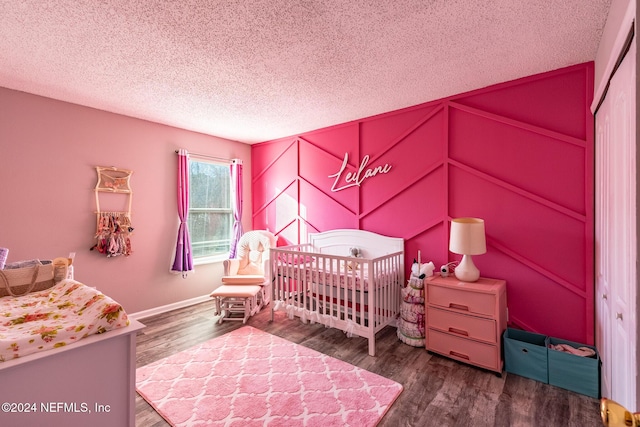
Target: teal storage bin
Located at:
point(576, 373)
point(525, 354)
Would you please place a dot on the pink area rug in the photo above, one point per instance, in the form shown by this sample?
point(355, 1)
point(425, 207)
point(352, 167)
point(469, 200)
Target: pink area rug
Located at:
point(251, 378)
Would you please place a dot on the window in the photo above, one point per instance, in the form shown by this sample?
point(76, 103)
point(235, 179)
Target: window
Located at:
point(210, 214)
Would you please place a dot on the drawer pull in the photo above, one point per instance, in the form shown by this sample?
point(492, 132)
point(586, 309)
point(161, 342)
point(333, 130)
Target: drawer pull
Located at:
point(458, 306)
point(460, 355)
point(458, 331)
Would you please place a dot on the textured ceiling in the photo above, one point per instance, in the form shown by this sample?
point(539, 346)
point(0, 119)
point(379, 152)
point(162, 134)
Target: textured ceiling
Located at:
point(254, 70)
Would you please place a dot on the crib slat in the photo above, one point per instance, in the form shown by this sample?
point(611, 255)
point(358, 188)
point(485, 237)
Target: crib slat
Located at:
point(331, 289)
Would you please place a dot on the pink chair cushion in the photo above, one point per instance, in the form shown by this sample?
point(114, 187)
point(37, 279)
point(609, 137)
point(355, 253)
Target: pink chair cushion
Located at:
point(253, 248)
point(239, 291)
point(243, 279)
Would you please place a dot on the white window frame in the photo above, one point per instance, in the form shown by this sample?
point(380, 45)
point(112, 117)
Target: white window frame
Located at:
point(209, 259)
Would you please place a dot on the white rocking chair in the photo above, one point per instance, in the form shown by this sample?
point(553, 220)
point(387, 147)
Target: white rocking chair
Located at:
point(246, 284)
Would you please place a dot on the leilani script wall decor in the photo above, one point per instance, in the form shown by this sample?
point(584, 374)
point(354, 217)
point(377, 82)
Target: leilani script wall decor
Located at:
point(352, 179)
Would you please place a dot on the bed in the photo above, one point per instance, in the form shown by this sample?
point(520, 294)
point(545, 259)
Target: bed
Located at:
point(322, 282)
point(67, 357)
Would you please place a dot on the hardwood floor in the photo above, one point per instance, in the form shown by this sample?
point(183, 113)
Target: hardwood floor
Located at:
point(437, 391)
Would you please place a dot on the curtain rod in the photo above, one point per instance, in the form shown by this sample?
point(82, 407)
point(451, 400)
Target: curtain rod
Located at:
point(206, 156)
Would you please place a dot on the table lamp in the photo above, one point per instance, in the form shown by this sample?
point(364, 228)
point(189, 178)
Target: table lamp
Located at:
point(467, 239)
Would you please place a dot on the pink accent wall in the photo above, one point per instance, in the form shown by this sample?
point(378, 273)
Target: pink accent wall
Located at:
point(518, 154)
point(48, 151)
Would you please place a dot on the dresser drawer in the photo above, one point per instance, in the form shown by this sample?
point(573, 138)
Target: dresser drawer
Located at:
point(477, 328)
point(465, 350)
point(462, 300)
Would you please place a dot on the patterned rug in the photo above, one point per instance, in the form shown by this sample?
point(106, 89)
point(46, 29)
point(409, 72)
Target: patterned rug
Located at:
point(251, 378)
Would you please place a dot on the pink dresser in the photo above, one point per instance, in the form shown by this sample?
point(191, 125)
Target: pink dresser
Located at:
point(465, 321)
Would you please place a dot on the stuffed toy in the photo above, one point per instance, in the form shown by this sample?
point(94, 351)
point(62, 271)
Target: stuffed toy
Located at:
point(354, 252)
point(421, 271)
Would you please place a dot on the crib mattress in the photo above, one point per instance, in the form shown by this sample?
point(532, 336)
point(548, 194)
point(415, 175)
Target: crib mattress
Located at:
point(56, 317)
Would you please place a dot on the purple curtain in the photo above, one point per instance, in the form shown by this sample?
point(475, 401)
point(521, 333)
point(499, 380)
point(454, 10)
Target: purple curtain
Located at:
point(183, 261)
point(236, 199)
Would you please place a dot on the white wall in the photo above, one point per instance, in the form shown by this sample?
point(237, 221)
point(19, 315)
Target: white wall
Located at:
point(621, 17)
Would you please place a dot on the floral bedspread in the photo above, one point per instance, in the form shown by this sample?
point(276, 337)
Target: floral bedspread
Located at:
point(56, 317)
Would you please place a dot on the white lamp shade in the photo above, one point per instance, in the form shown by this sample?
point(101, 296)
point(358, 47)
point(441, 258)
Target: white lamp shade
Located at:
point(467, 236)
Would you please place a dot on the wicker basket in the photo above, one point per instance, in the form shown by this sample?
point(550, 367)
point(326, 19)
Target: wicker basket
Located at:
point(20, 281)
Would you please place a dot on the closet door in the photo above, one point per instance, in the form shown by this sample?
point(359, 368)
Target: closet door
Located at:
point(603, 253)
point(616, 234)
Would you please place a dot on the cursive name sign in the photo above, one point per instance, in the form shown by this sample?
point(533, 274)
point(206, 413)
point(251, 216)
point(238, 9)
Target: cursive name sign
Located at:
point(352, 179)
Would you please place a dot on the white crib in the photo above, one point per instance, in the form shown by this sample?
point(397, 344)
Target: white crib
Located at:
point(320, 282)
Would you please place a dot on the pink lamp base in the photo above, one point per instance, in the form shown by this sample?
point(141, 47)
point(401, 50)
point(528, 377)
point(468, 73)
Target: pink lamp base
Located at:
point(466, 270)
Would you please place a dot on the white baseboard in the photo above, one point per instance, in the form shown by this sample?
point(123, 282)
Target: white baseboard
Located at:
point(173, 306)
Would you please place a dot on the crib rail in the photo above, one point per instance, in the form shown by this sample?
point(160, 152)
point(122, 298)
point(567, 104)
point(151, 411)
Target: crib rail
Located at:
point(357, 295)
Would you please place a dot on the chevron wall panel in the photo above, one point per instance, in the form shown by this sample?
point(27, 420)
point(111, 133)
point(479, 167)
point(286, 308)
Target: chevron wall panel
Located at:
point(519, 155)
